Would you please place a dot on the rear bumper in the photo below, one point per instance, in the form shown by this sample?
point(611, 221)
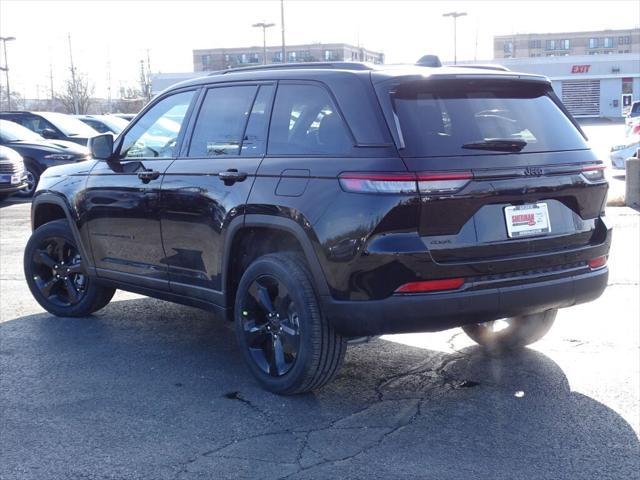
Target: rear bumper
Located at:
point(441, 311)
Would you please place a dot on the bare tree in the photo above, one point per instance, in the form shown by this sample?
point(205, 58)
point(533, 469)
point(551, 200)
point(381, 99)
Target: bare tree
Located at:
point(78, 93)
point(17, 102)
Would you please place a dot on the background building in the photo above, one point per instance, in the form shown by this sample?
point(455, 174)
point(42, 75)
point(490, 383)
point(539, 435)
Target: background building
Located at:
point(567, 43)
point(223, 58)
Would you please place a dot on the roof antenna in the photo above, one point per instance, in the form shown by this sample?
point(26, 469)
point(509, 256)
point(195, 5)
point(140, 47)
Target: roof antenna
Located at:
point(429, 61)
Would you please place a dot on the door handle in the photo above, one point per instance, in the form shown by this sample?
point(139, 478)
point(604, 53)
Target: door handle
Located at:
point(147, 175)
point(231, 176)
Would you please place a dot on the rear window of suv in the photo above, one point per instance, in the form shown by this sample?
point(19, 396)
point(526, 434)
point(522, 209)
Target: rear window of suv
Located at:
point(470, 117)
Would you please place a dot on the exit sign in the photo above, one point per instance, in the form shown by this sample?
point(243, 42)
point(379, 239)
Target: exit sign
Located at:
point(580, 68)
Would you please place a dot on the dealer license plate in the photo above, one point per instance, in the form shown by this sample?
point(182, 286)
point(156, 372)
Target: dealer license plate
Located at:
point(530, 219)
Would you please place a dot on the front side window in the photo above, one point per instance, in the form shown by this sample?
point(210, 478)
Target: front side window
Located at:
point(155, 134)
point(36, 124)
point(305, 121)
point(222, 121)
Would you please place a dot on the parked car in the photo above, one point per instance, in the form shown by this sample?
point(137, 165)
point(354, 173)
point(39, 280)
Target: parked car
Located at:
point(634, 113)
point(53, 126)
point(38, 153)
point(12, 174)
point(620, 153)
point(125, 116)
point(316, 203)
point(104, 123)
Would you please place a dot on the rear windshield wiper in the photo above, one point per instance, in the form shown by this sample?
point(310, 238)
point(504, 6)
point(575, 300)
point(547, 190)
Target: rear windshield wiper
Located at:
point(497, 144)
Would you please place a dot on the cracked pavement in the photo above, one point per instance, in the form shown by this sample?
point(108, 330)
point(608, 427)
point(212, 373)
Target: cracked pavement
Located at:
point(146, 389)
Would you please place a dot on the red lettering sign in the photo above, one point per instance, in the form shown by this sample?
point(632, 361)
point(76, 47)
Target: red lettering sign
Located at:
point(580, 68)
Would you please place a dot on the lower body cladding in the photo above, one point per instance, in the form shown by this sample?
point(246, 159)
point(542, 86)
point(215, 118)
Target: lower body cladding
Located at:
point(431, 312)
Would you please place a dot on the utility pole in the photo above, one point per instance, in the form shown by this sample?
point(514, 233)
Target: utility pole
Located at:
point(74, 85)
point(109, 79)
point(143, 81)
point(455, 16)
point(6, 68)
point(264, 27)
point(283, 53)
point(51, 80)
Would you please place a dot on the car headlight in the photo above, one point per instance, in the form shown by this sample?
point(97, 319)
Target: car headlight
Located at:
point(59, 156)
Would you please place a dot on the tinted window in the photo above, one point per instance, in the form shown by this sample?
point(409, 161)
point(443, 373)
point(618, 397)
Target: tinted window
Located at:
point(155, 134)
point(35, 124)
point(221, 121)
point(438, 118)
point(305, 121)
point(255, 137)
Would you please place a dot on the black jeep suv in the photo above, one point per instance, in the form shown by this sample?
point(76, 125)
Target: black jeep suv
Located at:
point(312, 204)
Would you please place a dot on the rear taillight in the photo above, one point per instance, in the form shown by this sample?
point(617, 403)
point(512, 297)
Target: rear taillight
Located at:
point(597, 262)
point(430, 183)
point(635, 130)
point(379, 182)
point(404, 183)
point(431, 286)
point(593, 173)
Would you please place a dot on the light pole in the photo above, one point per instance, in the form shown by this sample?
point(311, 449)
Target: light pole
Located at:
point(455, 16)
point(6, 67)
point(264, 27)
point(283, 53)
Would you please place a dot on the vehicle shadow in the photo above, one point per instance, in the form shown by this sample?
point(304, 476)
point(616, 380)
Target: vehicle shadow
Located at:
point(7, 202)
point(148, 389)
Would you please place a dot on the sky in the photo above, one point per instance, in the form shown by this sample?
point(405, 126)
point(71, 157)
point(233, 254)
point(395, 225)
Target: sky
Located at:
point(110, 38)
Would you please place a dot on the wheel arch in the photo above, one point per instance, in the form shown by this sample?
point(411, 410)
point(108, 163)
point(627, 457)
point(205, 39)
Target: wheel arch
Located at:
point(276, 234)
point(47, 207)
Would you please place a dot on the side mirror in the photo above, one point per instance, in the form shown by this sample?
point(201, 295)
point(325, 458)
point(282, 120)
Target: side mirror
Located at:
point(49, 134)
point(101, 146)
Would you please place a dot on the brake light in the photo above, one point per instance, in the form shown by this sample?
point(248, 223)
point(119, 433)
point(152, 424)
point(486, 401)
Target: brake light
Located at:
point(593, 173)
point(431, 286)
point(404, 183)
point(430, 183)
point(597, 262)
point(635, 130)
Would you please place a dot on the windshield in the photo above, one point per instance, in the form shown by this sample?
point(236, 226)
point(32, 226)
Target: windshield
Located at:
point(70, 126)
point(116, 124)
point(480, 117)
point(12, 132)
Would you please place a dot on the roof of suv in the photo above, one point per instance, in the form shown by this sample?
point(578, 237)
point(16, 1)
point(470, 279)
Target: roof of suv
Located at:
point(331, 70)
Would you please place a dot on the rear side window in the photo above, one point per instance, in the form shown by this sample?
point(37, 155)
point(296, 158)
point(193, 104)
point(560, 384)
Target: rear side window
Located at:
point(463, 117)
point(305, 121)
point(222, 121)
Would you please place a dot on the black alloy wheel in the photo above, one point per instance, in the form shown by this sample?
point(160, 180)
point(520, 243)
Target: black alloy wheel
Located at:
point(271, 325)
point(57, 275)
point(287, 343)
point(58, 272)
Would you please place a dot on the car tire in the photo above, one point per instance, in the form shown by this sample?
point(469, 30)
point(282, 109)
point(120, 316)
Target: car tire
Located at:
point(33, 177)
point(288, 345)
point(519, 332)
point(56, 273)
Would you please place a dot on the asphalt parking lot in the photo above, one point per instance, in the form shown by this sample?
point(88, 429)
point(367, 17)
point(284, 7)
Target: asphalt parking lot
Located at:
point(146, 389)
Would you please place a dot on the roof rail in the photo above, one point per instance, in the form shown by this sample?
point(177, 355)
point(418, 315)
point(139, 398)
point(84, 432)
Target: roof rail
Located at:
point(301, 65)
point(485, 66)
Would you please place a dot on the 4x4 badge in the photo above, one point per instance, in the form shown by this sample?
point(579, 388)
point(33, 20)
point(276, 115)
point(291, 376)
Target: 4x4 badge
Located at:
point(533, 171)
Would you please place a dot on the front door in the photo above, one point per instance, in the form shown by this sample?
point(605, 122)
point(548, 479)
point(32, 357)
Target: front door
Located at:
point(208, 186)
point(122, 197)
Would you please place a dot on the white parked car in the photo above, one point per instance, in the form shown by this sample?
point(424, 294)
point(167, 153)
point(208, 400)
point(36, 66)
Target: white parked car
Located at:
point(620, 153)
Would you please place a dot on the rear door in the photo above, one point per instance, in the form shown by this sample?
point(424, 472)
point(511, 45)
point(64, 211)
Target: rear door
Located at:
point(208, 185)
point(502, 170)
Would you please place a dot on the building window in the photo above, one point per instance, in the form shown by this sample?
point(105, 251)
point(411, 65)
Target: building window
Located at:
point(624, 40)
point(593, 43)
point(291, 56)
point(608, 42)
point(593, 52)
point(206, 62)
point(535, 44)
point(550, 45)
point(508, 47)
point(277, 58)
point(563, 45)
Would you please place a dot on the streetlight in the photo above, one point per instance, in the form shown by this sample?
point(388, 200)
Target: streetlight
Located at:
point(455, 16)
point(264, 27)
point(6, 67)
